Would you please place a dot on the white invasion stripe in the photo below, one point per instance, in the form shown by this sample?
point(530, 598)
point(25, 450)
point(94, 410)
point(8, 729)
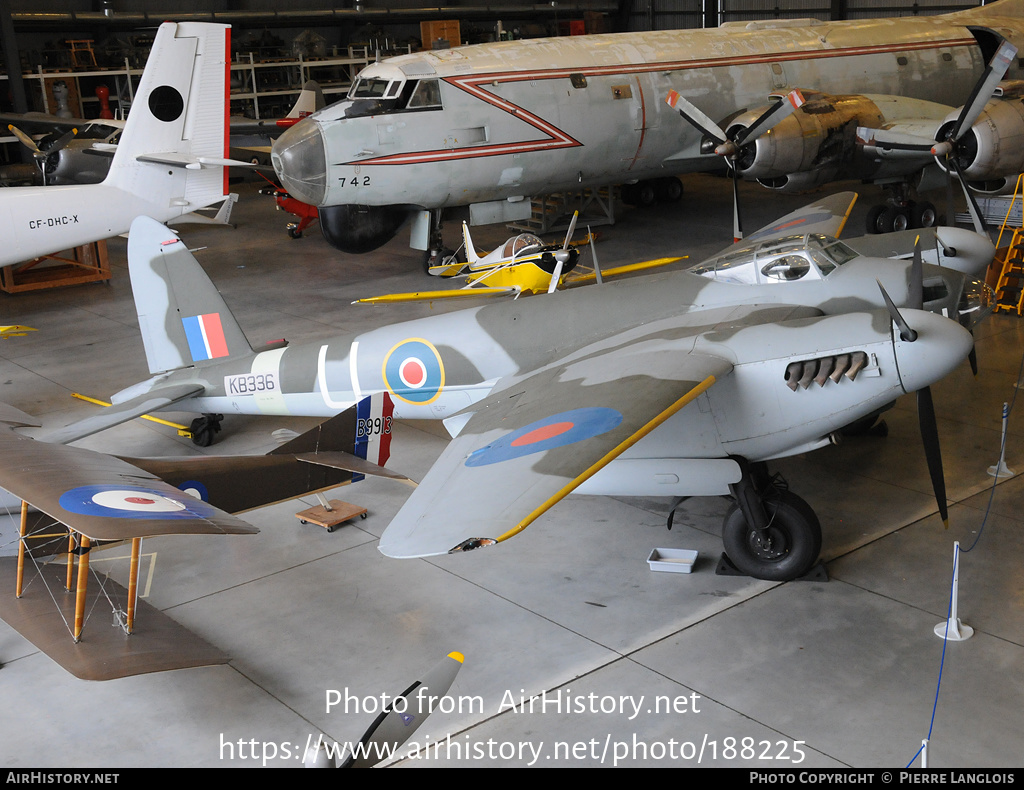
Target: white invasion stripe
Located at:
point(353, 372)
point(321, 379)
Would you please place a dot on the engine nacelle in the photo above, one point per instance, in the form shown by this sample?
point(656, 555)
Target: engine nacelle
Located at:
point(821, 134)
point(359, 229)
point(994, 146)
point(800, 182)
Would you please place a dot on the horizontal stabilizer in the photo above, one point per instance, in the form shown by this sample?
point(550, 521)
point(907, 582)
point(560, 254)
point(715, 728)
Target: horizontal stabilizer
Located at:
point(122, 412)
point(351, 463)
point(16, 417)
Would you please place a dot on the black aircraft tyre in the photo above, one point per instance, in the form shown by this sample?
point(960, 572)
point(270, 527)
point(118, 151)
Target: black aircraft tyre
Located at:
point(785, 550)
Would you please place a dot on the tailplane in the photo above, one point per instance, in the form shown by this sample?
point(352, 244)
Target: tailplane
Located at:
point(182, 316)
point(311, 99)
point(174, 143)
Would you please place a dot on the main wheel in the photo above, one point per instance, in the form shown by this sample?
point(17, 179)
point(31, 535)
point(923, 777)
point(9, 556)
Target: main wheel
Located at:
point(786, 549)
point(874, 213)
point(646, 194)
point(923, 215)
point(669, 190)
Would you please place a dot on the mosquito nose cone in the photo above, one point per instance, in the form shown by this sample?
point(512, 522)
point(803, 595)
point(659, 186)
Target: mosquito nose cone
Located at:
point(300, 160)
point(941, 345)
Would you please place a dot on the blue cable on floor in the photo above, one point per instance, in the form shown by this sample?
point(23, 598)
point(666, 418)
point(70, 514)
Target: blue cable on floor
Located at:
point(956, 557)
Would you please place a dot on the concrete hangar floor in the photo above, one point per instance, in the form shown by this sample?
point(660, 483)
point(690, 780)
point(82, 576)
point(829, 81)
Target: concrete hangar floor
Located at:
point(793, 676)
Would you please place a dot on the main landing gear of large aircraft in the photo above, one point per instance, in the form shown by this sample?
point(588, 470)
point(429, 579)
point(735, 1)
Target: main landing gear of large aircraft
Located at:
point(653, 190)
point(901, 212)
point(770, 533)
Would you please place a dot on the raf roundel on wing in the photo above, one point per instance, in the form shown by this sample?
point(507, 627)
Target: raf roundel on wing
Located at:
point(558, 430)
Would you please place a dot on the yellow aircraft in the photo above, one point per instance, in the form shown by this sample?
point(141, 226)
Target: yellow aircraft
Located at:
point(522, 265)
point(14, 330)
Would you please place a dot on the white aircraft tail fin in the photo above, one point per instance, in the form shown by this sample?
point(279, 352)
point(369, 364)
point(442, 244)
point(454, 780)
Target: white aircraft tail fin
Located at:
point(182, 316)
point(471, 256)
point(310, 100)
point(179, 115)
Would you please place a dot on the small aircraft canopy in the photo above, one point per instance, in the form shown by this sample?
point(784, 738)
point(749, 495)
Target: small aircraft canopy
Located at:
point(516, 246)
point(810, 256)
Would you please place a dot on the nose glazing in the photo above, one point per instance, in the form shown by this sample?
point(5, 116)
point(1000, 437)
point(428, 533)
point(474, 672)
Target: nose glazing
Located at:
point(300, 161)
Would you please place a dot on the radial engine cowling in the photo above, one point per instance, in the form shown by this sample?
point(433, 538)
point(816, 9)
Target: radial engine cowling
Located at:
point(994, 146)
point(821, 134)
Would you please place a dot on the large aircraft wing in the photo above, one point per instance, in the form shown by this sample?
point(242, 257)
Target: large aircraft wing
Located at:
point(529, 444)
point(153, 400)
point(827, 216)
point(100, 496)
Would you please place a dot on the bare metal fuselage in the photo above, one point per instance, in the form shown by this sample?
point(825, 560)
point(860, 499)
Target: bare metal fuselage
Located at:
point(526, 117)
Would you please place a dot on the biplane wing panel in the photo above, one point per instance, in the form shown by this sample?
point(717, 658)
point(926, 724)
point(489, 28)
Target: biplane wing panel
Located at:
point(102, 497)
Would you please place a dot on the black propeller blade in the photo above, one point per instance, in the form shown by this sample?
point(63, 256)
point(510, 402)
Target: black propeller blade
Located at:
point(397, 722)
point(925, 406)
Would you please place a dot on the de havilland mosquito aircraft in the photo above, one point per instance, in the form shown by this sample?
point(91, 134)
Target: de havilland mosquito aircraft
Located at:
point(170, 159)
point(664, 385)
point(491, 125)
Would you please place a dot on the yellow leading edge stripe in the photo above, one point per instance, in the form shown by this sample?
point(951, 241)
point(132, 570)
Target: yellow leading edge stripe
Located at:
point(610, 456)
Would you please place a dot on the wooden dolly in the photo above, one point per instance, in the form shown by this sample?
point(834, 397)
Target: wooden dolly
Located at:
point(329, 514)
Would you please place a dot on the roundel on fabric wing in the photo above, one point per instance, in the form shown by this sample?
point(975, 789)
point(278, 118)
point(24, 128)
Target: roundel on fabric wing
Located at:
point(558, 430)
point(413, 371)
point(132, 502)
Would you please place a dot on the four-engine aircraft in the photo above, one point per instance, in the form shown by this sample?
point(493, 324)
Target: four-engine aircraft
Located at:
point(491, 125)
point(169, 161)
point(605, 389)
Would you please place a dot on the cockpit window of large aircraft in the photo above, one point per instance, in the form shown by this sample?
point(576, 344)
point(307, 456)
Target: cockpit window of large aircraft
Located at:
point(426, 95)
point(375, 96)
point(375, 89)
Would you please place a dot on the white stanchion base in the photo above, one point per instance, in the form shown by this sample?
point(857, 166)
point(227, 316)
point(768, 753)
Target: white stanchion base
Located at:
point(1000, 470)
point(957, 631)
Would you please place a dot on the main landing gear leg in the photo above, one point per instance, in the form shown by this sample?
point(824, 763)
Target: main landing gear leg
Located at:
point(770, 533)
point(436, 254)
point(901, 211)
point(204, 428)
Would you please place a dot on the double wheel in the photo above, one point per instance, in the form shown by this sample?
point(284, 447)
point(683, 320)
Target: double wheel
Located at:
point(651, 191)
point(886, 219)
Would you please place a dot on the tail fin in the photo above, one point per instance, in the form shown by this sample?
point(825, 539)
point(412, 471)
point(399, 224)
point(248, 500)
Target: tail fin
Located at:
point(178, 118)
point(182, 316)
point(471, 256)
point(310, 100)
point(356, 440)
